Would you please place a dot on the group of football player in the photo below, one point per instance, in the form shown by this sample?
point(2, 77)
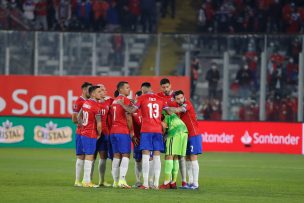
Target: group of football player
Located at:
point(155, 123)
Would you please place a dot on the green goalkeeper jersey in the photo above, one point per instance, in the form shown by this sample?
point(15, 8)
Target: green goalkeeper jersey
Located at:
point(175, 125)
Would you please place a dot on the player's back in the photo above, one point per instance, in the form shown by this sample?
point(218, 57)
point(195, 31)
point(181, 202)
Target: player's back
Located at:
point(175, 125)
point(76, 109)
point(151, 107)
point(189, 118)
point(90, 109)
point(118, 115)
point(105, 108)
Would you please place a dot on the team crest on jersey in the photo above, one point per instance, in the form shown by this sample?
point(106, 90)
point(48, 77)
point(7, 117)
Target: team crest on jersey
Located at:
point(50, 134)
point(10, 133)
point(172, 99)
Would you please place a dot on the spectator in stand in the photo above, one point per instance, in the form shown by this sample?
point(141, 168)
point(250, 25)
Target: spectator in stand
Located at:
point(100, 8)
point(249, 111)
point(292, 72)
point(63, 14)
point(251, 59)
point(41, 15)
point(244, 79)
point(201, 19)
point(113, 21)
point(29, 8)
point(135, 12)
point(195, 65)
point(212, 110)
point(148, 17)
point(84, 9)
point(51, 14)
point(275, 12)
point(118, 49)
point(213, 77)
point(278, 81)
point(294, 20)
point(164, 8)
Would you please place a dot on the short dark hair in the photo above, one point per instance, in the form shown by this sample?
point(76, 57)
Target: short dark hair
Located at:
point(116, 93)
point(146, 84)
point(178, 92)
point(85, 85)
point(138, 93)
point(92, 89)
point(121, 84)
point(164, 81)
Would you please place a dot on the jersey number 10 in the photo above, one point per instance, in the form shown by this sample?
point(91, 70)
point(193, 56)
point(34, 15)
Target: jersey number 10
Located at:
point(153, 110)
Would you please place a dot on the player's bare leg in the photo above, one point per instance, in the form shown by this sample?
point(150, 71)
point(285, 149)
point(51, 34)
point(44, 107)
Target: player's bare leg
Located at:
point(115, 168)
point(102, 168)
point(138, 173)
point(79, 169)
point(145, 168)
point(88, 164)
point(124, 165)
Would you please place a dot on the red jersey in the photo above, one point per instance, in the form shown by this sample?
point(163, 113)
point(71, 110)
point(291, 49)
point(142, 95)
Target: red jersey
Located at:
point(118, 115)
point(136, 118)
point(168, 98)
point(151, 107)
point(104, 109)
point(76, 108)
point(90, 109)
point(189, 118)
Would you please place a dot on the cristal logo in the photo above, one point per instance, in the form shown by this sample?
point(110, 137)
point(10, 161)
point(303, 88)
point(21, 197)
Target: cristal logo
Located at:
point(2, 104)
point(10, 133)
point(246, 139)
point(50, 134)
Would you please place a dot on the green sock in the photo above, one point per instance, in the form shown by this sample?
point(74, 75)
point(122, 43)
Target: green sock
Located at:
point(168, 170)
point(175, 171)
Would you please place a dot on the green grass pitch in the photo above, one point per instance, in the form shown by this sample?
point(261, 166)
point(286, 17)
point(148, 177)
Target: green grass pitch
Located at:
point(47, 175)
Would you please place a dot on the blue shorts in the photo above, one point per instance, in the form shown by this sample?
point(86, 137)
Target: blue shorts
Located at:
point(151, 141)
point(137, 153)
point(79, 147)
point(102, 143)
point(121, 143)
point(89, 145)
point(194, 145)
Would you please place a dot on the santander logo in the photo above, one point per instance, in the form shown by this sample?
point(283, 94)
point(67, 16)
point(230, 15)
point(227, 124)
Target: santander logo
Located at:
point(246, 139)
point(2, 104)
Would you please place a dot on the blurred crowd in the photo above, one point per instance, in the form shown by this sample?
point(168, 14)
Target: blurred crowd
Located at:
point(261, 16)
point(84, 15)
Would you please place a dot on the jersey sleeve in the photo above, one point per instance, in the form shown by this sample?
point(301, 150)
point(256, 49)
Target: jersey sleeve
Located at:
point(77, 106)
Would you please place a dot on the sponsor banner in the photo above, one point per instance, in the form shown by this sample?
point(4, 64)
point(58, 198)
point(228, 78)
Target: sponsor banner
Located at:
point(49, 96)
point(264, 137)
point(36, 132)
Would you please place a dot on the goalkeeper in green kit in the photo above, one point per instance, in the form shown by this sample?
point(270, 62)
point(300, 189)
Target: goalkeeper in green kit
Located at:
point(176, 145)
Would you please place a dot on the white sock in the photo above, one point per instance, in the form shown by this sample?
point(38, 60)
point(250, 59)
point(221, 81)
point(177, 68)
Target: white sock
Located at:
point(189, 171)
point(145, 169)
point(79, 167)
point(157, 169)
point(138, 171)
point(195, 169)
point(151, 172)
point(87, 171)
point(102, 168)
point(182, 168)
point(124, 165)
point(92, 171)
point(115, 169)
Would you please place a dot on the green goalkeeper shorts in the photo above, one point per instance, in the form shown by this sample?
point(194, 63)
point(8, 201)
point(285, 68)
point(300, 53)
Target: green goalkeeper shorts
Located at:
point(177, 144)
